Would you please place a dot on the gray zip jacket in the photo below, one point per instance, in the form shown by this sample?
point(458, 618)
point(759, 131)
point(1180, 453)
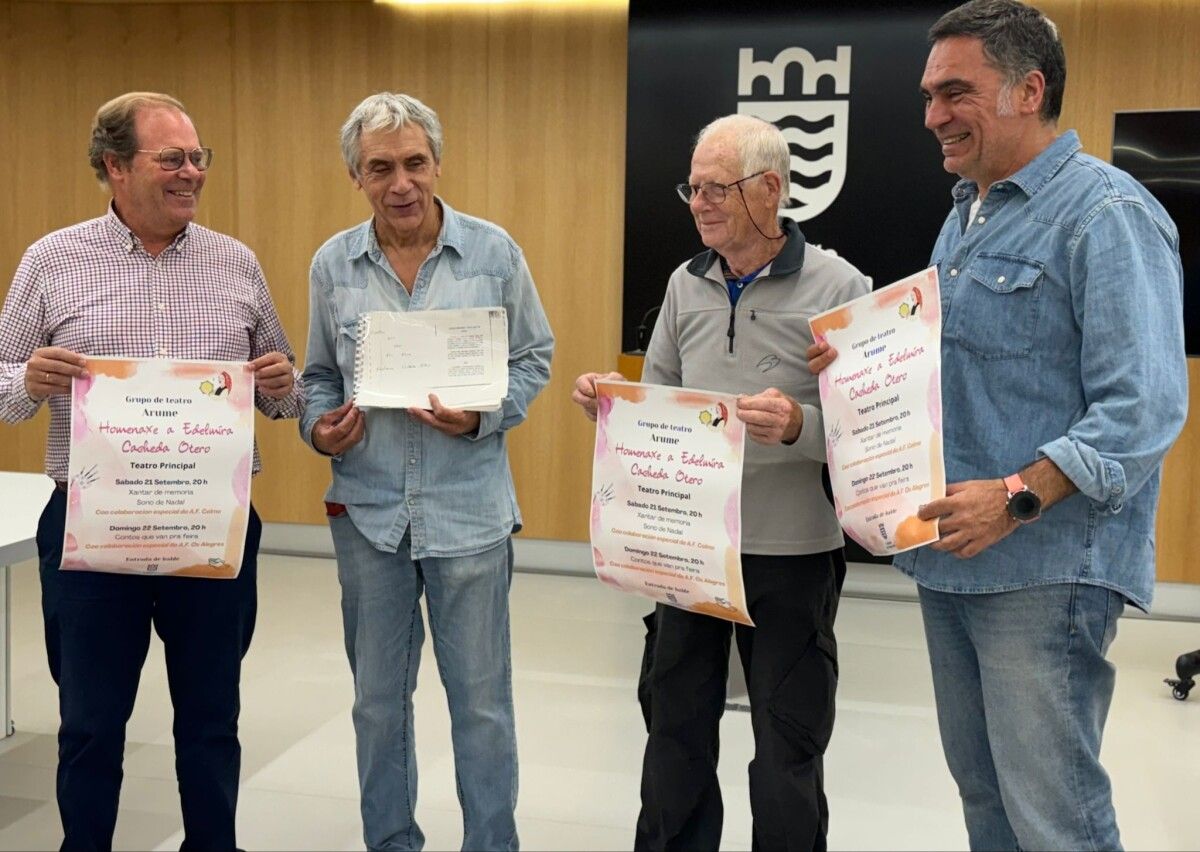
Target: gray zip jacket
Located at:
point(700, 341)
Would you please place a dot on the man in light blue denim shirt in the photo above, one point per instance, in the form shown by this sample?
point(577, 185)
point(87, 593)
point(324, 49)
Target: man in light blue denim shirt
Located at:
point(1063, 386)
point(421, 500)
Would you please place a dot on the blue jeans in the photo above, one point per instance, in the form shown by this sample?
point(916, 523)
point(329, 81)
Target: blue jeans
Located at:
point(467, 598)
point(1023, 691)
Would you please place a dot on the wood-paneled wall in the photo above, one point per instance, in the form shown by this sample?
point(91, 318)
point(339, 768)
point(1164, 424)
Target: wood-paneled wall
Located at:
point(533, 102)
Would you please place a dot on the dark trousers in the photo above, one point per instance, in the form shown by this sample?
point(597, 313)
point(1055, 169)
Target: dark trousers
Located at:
point(790, 661)
point(97, 635)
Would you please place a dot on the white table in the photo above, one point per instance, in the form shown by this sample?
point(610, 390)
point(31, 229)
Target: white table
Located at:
point(22, 498)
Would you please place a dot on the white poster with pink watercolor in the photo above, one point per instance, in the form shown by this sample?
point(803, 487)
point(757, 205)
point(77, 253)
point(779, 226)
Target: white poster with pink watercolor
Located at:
point(666, 519)
point(161, 457)
point(882, 402)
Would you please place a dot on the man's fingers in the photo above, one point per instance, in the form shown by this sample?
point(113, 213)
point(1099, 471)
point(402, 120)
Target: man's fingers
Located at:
point(338, 430)
point(341, 420)
point(820, 355)
point(273, 370)
point(357, 430)
point(951, 542)
point(58, 359)
point(54, 366)
point(455, 418)
point(764, 415)
point(424, 416)
point(333, 415)
point(266, 360)
point(585, 386)
point(934, 509)
point(441, 412)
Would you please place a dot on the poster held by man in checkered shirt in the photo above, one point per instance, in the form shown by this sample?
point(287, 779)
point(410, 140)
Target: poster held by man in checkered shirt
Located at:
point(159, 471)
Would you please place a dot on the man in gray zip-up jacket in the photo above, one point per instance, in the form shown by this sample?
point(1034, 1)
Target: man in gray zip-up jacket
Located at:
point(735, 319)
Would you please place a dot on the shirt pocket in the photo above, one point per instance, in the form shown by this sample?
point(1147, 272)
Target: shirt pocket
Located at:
point(995, 308)
point(347, 346)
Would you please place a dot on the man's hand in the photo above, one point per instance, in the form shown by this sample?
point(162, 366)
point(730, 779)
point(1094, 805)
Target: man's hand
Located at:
point(340, 429)
point(50, 369)
point(771, 417)
point(973, 516)
point(449, 421)
point(273, 374)
point(584, 394)
point(820, 355)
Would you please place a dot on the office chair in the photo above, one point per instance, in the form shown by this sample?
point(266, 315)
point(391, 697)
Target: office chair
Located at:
point(1187, 667)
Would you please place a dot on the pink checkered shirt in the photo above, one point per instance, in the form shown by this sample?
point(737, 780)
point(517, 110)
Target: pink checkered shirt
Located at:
point(91, 288)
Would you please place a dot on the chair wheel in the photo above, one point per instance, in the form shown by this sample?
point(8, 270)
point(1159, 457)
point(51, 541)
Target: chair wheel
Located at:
point(1180, 688)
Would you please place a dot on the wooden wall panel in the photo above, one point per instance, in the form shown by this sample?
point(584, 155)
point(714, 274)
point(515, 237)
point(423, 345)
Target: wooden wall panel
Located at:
point(557, 133)
point(1179, 502)
point(1124, 55)
point(533, 102)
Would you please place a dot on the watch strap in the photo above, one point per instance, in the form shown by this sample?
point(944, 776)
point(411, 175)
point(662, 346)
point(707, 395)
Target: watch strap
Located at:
point(1014, 484)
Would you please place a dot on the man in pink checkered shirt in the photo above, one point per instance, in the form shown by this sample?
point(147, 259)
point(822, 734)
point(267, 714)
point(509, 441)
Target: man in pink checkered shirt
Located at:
point(141, 281)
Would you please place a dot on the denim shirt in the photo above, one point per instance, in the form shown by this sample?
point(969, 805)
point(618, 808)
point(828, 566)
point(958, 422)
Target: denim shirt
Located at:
point(1062, 338)
point(453, 494)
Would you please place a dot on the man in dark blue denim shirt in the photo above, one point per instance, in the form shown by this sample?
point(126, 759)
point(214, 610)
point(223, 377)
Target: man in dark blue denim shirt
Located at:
point(1063, 386)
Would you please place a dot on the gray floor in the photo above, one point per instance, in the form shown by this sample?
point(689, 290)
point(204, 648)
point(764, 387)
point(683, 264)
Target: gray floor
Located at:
point(576, 650)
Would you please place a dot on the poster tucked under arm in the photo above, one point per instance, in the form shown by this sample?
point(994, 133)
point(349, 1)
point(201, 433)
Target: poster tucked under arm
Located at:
point(161, 458)
point(666, 518)
point(883, 412)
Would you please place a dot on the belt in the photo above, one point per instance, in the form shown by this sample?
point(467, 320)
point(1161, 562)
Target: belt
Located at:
point(60, 485)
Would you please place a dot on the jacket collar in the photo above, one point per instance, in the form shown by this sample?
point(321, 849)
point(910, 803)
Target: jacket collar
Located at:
point(789, 260)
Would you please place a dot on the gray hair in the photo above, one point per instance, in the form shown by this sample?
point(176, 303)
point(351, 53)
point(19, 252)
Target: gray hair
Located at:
point(114, 129)
point(388, 111)
point(760, 146)
point(1017, 39)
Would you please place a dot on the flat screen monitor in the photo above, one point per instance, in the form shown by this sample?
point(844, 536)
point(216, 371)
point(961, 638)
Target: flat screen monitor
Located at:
point(1161, 148)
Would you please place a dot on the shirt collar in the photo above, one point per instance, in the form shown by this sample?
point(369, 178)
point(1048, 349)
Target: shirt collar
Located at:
point(365, 241)
point(1036, 173)
point(129, 241)
point(789, 260)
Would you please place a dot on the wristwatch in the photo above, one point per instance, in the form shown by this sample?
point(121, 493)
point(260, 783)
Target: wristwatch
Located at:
point(1024, 506)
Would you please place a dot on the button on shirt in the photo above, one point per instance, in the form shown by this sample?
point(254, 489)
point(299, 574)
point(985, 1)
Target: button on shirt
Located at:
point(453, 494)
point(1062, 338)
point(93, 289)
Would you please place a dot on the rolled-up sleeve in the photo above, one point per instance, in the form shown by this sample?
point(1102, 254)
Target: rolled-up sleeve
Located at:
point(1127, 291)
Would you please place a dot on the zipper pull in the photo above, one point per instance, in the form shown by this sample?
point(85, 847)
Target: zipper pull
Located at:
point(730, 332)
point(753, 316)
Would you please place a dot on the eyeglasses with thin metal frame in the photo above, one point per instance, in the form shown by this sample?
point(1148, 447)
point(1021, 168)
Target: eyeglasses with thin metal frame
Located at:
point(172, 159)
point(713, 191)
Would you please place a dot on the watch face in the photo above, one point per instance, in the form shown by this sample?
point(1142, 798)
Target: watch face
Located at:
point(1025, 506)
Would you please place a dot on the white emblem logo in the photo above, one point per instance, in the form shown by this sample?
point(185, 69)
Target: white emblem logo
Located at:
point(816, 130)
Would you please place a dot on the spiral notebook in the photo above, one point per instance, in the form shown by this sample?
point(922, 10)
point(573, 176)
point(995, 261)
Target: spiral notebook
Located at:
point(459, 355)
